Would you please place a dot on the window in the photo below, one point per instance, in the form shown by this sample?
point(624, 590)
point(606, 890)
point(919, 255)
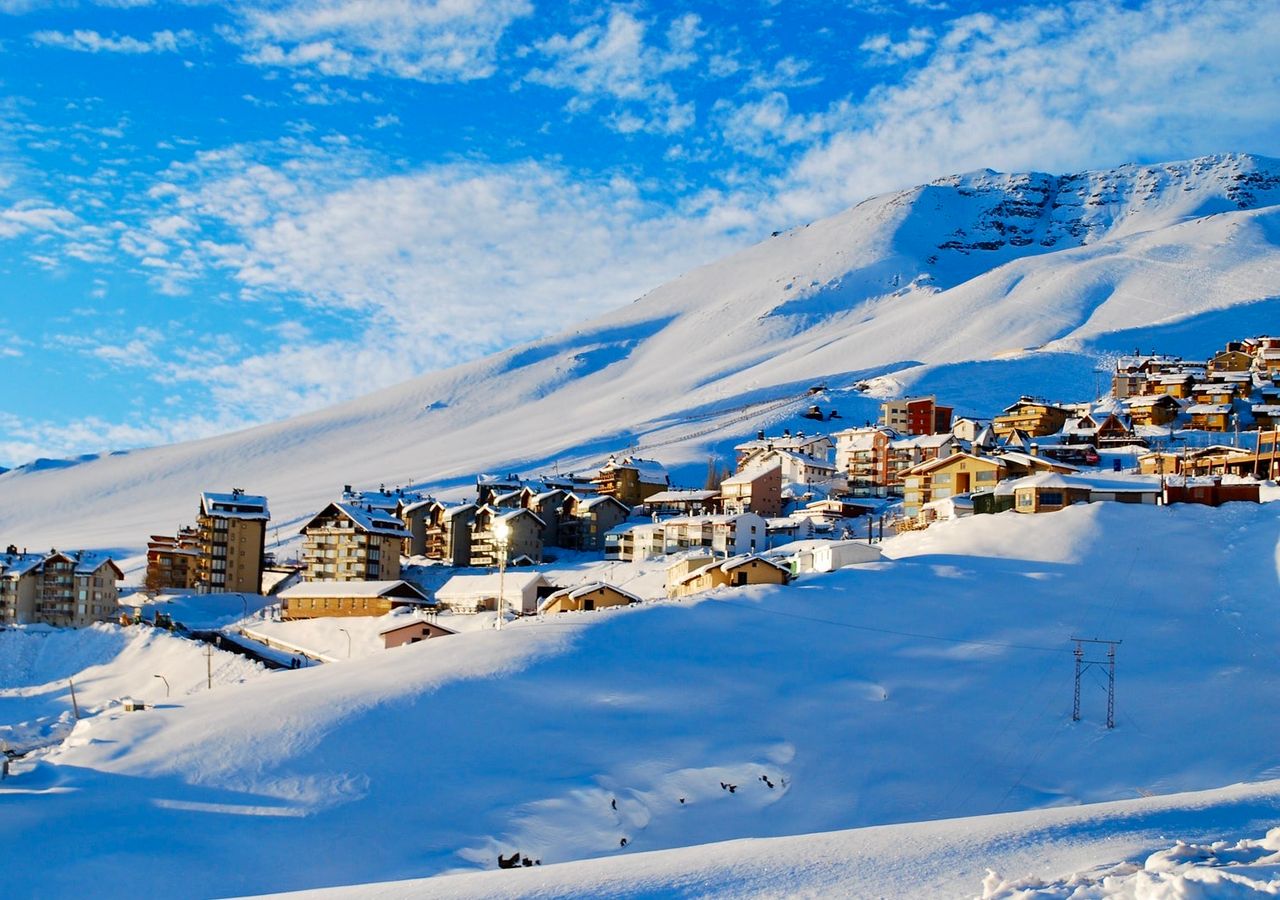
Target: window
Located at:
point(942, 478)
point(1051, 498)
point(989, 475)
point(1026, 500)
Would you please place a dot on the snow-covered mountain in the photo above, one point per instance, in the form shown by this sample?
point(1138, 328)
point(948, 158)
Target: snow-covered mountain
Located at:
point(978, 286)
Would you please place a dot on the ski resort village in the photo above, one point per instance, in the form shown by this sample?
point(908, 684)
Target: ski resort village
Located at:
point(929, 550)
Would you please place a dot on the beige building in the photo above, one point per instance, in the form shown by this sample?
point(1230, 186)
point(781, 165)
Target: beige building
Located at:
point(756, 490)
point(738, 571)
point(1153, 409)
point(412, 632)
point(345, 542)
point(595, 595)
point(448, 532)
point(631, 479)
point(64, 589)
point(233, 532)
point(315, 599)
point(524, 536)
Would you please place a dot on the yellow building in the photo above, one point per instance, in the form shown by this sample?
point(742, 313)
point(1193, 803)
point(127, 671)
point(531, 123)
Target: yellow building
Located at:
point(1152, 409)
point(233, 532)
point(314, 599)
point(738, 571)
point(1031, 415)
point(938, 479)
point(346, 542)
point(594, 595)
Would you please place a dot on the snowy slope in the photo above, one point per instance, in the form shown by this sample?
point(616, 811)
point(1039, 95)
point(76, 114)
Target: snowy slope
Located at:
point(1123, 849)
point(936, 684)
point(924, 287)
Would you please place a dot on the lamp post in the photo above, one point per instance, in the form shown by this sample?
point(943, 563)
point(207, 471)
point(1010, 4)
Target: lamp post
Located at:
point(166, 683)
point(501, 537)
point(348, 634)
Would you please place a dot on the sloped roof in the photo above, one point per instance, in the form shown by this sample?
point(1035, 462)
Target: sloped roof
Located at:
point(467, 586)
point(573, 593)
point(370, 521)
point(250, 507)
point(399, 590)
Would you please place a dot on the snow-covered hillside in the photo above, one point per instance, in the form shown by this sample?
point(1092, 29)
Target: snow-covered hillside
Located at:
point(935, 684)
point(979, 287)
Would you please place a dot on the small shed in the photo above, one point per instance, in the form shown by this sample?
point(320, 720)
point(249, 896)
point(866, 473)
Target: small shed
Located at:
point(412, 632)
point(472, 593)
point(827, 556)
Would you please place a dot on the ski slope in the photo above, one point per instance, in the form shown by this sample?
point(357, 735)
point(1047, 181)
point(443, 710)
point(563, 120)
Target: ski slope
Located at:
point(933, 685)
point(979, 287)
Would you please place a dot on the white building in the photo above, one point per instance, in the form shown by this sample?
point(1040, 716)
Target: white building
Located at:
point(472, 593)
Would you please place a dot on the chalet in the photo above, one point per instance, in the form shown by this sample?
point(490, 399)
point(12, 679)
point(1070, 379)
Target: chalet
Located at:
point(523, 541)
point(1032, 415)
point(19, 585)
point(448, 532)
point(1173, 384)
point(1266, 415)
point(1153, 409)
point(863, 455)
point(412, 632)
point(345, 542)
point(585, 520)
point(967, 429)
point(681, 503)
point(737, 571)
point(1217, 459)
point(911, 451)
point(753, 490)
point(1233, 359)
point(1211, 492)
point(1052, 491)
point(962, 473)
point(1211, 416)
point(797, 468)
point(814, 446)
point(631, 479)
point(915, 415)
point(472, 593)
point(1213, 393)
point(317, 599)
point(594, 595)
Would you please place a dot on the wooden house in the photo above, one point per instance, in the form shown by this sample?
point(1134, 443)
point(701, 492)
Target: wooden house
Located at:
point(315, 599)
point(1211, 416)
point(1153, 409)
point(1030, 414)
point(1231, 360)
point(737, 571)
point(1173, 384)
point(594, 595)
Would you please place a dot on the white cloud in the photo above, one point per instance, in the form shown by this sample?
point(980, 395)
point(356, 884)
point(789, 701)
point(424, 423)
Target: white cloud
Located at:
point(424, 40)
point(1052, 89)
point(883, 49)
point(615, 61)
point(477, 256)
point(34, 216)
point(88, 41)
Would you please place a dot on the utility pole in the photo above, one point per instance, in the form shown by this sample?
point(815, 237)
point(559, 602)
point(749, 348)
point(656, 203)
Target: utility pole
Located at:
point(1083, 665)
point(74, 705)
point(208, 659)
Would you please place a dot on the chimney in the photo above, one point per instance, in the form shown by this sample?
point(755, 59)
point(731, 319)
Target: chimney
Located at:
point(760, 435)
point(786, 432)
point(1035, 449)
point(12, 549)
point(346, 489)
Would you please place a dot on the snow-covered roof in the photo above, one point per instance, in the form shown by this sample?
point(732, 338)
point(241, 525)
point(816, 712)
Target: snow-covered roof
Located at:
point(1265, 409)
point(573, 593)
point(1150, 400)
point(411, 622)
point(15, 565)
point(1144, 484)
point(1035, 462)
point(650, 471)
point(923, 441)
point(450, 511)
point(400, 590)
point(370, 521)
point(1209, 409)
point(681, 496)
point(590, 503)
point(87, 562)
point(234, 506)
point(734, 562)
point(468, 586)
point(746, 476)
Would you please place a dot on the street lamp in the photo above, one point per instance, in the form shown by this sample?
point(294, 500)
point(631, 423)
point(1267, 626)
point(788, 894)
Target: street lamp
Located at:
point(166, 683)
point(348, 634)
point(502, 537)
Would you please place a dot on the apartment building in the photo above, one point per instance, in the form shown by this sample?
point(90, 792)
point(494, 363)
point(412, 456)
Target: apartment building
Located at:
point(346, 542)
point(233, 530)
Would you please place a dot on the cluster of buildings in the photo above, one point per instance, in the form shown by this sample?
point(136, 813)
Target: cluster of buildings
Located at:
point(809, 492)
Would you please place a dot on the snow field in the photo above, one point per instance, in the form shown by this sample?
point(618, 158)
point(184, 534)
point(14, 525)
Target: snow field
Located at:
point(933, 685)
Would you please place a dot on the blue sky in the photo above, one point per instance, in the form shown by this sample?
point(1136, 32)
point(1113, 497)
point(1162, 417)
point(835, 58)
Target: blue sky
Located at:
point(203, 206)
